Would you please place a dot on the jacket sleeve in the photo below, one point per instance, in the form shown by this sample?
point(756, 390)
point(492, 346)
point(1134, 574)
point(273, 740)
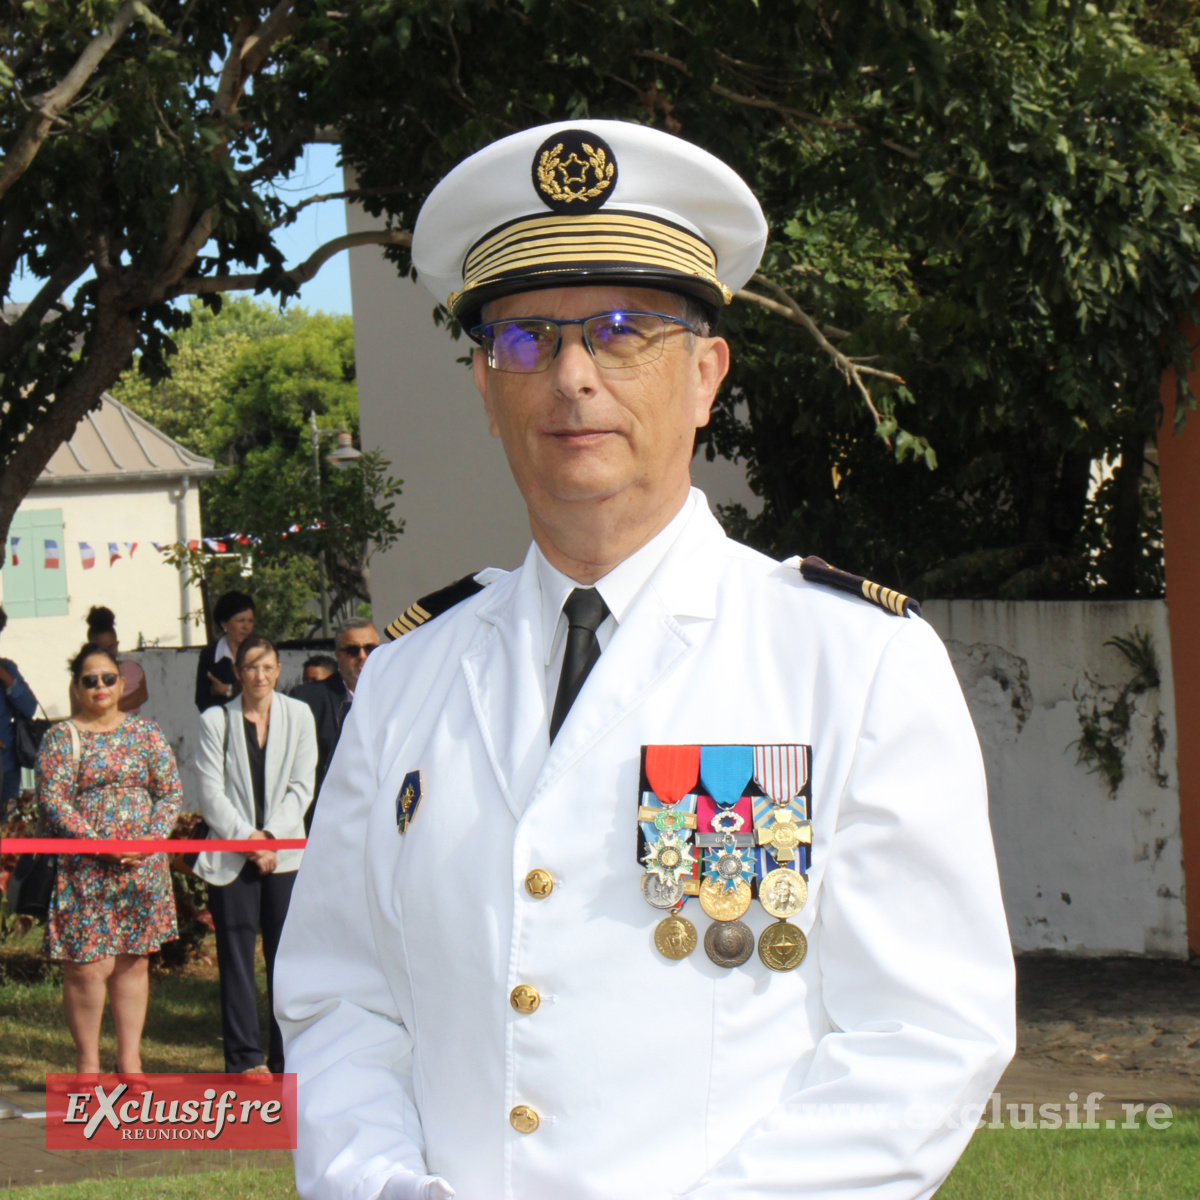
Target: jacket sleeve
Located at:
point(218, 803)
point(288, 814)
point(204, 697)
point(916, 965)
point(20, 695)
point(343, 1034)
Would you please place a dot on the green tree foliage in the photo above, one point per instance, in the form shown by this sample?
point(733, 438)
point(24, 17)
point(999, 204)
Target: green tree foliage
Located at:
point(243, 391)
point(142, 142)
point(983, 231)
point(993, 201)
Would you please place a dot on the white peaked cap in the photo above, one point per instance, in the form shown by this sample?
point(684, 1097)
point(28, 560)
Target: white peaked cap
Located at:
point(587, 202)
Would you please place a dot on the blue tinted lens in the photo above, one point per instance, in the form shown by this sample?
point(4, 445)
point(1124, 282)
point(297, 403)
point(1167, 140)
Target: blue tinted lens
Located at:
point(519, 345)
point(628, 337)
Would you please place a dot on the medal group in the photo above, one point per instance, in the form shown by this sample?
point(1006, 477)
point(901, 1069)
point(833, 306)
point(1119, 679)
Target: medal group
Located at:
point(727, 824)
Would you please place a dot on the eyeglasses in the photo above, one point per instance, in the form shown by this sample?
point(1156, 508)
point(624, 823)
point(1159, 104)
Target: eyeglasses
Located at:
point(355, 651)
point(262, 669)
point(91, 682)
point(615, 339)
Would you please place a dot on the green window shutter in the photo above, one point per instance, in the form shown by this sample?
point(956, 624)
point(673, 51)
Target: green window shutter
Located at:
point(31, 589)
point(49, 583)
point(19, 596)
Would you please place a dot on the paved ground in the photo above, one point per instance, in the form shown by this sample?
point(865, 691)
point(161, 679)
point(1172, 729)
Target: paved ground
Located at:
point(1127, 1028)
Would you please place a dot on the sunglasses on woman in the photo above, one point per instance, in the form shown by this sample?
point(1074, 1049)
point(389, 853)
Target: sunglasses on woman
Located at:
point(91, 682)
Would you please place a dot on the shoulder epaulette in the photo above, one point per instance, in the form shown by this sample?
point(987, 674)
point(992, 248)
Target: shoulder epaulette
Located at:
point(817, 570)
point(432, 606)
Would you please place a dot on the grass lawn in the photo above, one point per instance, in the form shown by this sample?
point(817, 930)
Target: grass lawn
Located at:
point(183, 1024)
point(208, 1185)
point(1081, 1164)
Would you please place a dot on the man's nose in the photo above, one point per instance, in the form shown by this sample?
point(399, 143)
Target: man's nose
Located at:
point(574, 368)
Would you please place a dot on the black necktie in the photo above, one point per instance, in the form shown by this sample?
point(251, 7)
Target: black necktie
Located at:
point(585, 610)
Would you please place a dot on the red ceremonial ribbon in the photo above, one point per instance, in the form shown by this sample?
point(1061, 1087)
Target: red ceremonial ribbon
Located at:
point(672, 771)
point(10, 845)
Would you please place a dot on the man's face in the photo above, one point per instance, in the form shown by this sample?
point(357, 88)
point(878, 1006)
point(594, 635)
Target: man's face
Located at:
point(316, 674)
point(353, 646)
point(579, 433)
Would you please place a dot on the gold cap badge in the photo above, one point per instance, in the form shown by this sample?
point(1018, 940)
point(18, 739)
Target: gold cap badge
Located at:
point(574, 171)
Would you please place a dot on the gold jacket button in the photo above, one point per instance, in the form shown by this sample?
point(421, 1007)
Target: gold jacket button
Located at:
point(525, 999)
point(523, 1119)
point(539, 884)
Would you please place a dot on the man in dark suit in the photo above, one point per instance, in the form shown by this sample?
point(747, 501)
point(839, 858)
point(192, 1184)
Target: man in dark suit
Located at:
point(330, 699)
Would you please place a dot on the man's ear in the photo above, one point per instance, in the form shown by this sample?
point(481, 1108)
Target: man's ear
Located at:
point(712, 365)
point(483, 381)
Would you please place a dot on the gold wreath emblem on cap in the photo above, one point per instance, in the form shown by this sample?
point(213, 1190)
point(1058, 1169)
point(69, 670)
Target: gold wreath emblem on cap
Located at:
point(566, 179)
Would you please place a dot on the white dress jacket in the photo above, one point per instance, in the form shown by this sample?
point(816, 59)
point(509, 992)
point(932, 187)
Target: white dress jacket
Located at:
point(226, 790)
point(651, 1078)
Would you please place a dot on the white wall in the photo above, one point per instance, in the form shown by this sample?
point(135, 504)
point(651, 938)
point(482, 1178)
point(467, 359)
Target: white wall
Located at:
point(145, 593)
point(1083, 872)
point(1026, 668)
point(462, 509)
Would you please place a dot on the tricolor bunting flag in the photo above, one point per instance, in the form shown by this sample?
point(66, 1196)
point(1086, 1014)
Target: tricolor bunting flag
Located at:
point(87, 556)
point(130, 547)
point(113, 553)
point(194, 544)
point(215, 546)
point(50, 562)
point(160, 547)
point(15, 560)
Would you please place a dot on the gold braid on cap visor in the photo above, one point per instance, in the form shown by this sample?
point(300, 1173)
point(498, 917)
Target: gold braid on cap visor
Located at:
point(557, 245)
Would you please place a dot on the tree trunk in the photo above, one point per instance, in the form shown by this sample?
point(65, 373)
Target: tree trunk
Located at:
point(115, 338)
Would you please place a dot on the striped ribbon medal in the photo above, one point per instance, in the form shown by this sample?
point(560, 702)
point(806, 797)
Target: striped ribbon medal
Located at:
point(782, 830)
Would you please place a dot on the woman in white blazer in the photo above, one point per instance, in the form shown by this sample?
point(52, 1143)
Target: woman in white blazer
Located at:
point(257, 761)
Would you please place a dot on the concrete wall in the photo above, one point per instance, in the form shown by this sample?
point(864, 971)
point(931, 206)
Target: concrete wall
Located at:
point(147, 595)
point(1084, 871)
point(461, 507)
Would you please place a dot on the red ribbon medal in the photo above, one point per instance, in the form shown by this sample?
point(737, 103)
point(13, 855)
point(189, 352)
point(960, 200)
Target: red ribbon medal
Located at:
point(672, 771)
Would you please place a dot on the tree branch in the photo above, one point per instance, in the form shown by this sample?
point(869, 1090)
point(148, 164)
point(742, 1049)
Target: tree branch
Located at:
point(49, 105)
point(276, 26)
point(852, 370)
point(210, 285)
point(293, 210)
point(774, 105)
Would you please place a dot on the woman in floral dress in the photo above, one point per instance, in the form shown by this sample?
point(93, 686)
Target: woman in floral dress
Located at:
point(109, 911)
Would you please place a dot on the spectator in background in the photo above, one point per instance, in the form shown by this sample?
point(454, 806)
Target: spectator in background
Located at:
point(102, 631)
point(107, 774)
point(216, 681)
point(15, 695)
point(319, 667)
point(256, 762)
point(330, 699)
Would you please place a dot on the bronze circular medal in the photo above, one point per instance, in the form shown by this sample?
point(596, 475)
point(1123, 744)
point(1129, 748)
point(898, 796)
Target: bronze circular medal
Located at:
point(660, 893)
point(728, 943)
point(722, 905)
point(783, 892)
point(675, 937)
point(782, 947)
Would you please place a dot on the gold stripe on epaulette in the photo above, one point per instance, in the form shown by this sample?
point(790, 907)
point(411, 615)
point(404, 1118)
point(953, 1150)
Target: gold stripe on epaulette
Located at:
point(885, 597)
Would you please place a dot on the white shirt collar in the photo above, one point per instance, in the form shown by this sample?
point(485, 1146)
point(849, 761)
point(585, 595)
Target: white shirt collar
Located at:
point(222, 650)
point(619, 588)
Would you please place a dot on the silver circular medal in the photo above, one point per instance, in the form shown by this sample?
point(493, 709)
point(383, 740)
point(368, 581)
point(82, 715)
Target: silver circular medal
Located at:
point(660, 893)
point(729, 943)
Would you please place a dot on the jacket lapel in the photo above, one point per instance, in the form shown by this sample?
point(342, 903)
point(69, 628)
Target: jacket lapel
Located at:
point(277, 739)
point(505, 675)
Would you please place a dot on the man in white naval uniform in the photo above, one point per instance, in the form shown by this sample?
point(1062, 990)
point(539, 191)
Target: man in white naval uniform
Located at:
point(469, 982)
